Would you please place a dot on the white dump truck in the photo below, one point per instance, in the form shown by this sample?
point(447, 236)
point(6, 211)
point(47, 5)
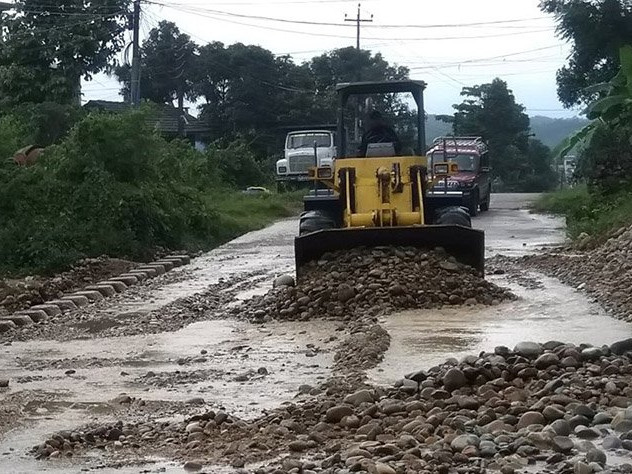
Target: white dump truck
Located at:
point(303, 150)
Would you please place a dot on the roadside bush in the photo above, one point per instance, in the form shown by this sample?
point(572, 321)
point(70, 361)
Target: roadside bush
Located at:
point(588, 212)
point(606, 163)
point(238, 165)
point(115, 187)
point(12, 133)
point(36, 124)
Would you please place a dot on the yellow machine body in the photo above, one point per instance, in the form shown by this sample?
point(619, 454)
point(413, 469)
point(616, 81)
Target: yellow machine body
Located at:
point(380, 192)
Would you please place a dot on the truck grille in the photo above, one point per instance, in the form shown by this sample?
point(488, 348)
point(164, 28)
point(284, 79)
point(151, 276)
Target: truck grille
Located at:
point(301, 163)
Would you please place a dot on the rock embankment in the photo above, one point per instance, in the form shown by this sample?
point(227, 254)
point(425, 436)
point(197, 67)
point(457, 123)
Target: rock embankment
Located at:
point(21, 294)
point(376, 281)
point(552, 407)
point(604, 272)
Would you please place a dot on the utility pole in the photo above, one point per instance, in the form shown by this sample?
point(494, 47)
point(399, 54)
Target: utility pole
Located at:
point(358, 19)
point(135, 82)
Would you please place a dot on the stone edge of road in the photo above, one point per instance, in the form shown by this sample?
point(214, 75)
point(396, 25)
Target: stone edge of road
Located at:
point(92, 293)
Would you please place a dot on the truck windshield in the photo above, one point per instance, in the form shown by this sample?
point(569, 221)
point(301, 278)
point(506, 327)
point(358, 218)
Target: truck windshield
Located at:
point(307, 140)
point(465, 162)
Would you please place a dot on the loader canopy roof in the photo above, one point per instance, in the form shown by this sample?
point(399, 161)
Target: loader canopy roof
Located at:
point(345, 90)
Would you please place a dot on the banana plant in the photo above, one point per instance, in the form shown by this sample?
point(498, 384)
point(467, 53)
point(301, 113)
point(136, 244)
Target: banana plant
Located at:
point(614, 108)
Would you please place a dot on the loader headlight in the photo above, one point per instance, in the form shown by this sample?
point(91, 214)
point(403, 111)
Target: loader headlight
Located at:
point(324, 172)
point(282, 169)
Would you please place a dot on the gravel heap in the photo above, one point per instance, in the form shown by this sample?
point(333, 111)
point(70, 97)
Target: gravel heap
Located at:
point(604, 272)
point(374, 281)
point(553, 407)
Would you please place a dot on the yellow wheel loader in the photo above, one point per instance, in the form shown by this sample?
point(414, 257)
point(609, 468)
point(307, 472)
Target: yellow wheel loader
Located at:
point(381, 198)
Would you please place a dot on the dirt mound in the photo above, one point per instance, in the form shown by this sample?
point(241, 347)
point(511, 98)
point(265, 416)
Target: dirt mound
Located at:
point(375, 281)
point(555, 407)
point(604, 272)
point(23, 293)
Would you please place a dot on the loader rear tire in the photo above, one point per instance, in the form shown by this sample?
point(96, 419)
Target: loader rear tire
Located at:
point(454, 216)
point(311, 221)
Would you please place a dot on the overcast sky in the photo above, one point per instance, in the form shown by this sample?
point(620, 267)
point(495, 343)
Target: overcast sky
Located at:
point(447, 43)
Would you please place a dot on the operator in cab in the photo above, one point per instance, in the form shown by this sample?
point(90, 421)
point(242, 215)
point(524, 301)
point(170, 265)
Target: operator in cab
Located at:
point(379, 131)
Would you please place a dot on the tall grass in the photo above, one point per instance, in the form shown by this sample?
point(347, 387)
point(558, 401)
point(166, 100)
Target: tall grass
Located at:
point(591, 213)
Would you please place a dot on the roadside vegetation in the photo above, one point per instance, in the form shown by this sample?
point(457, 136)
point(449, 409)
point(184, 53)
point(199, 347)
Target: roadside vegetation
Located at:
point(589, 214)
point(114, 186)
point(601, 203)
point(599, 77)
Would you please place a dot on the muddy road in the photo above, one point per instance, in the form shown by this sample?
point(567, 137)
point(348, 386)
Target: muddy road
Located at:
point(164, 349)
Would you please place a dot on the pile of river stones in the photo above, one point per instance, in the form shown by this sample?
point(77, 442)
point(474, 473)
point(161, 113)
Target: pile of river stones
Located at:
point(373, 281)
point(604, 272)
point(553, 407)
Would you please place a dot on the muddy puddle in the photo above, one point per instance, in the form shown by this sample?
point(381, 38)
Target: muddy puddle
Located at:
point(512, 230)
point(423, 338)
point(228, 363)
point(240, 367)
point(264, 254)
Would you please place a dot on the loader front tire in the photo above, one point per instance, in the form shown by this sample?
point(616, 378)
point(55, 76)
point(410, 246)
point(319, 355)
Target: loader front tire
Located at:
point(311, 221)
point(454, 216)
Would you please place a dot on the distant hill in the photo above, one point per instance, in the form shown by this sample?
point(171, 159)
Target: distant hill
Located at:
point(436, 128)
point(550, 131)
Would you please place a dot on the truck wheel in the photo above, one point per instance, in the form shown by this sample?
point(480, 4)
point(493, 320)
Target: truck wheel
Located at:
point(311, 221)
point(473, 206)
point(454, 216)
point(485, 203)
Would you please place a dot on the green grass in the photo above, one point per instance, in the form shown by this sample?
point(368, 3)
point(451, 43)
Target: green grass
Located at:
point(561, 202)
point(594, 214)
point(239, 213)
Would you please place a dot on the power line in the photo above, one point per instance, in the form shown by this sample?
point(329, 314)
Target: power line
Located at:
point(181, 7)
point(328, 35)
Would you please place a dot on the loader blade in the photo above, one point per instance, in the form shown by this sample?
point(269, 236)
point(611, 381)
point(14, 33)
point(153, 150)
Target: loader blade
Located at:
point(467, 245)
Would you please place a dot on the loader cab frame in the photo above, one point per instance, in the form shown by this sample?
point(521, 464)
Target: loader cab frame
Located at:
point(347, 90)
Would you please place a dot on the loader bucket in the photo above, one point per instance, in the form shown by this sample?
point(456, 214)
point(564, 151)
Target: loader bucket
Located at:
point(467, 245)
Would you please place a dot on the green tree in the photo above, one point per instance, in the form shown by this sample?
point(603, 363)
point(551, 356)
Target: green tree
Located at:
point(490, 110)
point(167, 65)
point(48, 47)
point(597, 29)
point(352, 65)
point(606, 158)
point(539, 176)
point(249, 92)
point(240, 84)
